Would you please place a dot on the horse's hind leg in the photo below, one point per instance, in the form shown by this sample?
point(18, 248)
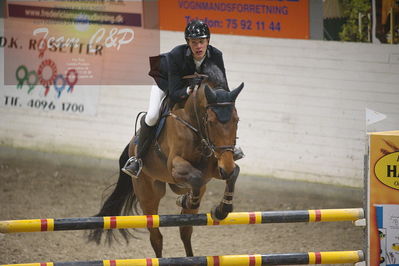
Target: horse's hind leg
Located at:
point(184, 172)
point(149, 194)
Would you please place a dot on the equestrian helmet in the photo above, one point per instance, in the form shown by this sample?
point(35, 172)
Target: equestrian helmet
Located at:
point(197, 29)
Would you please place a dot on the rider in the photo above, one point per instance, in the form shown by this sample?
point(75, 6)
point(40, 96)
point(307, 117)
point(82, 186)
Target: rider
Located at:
point(167, 71)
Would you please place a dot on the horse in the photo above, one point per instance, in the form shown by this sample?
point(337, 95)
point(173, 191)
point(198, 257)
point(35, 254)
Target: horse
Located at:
point(195, 145)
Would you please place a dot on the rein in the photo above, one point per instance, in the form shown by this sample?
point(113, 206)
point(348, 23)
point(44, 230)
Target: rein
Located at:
point(205, 140)
point(196, 75)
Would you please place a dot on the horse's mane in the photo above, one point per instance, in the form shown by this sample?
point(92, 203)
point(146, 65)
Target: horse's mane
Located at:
point(215, 76)
point(215, 80)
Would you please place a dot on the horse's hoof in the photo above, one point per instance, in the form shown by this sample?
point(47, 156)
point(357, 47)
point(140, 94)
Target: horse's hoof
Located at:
point(217, 215)
point(228, 208)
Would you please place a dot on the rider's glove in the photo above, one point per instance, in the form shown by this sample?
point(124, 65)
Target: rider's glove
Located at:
point(195, 81)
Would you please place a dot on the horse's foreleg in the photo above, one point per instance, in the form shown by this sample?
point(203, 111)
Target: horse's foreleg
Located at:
point(184, 172)
point(221, 211)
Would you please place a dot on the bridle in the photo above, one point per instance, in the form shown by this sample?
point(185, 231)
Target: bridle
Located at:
point(208, 148)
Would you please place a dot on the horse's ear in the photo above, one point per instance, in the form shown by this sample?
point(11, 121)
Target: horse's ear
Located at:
point(210, 94)
point(234, 93)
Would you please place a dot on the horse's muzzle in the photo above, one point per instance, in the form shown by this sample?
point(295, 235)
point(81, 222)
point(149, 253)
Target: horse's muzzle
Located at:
point(225, 175)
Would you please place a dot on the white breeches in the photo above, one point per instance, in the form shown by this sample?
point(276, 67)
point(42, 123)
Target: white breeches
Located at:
point(154, 107)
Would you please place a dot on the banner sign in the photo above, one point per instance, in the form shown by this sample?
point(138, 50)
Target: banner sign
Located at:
point(103, 44)
point(71, 15)
point(53, 50)
point(272, 18)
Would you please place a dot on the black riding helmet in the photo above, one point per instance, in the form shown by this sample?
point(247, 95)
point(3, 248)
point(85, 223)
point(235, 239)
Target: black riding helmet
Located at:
point(197, 29)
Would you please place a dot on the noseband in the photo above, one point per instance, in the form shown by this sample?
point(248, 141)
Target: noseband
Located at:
point(206, 139)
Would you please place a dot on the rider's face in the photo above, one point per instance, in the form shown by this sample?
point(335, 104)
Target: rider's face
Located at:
point(198, 47)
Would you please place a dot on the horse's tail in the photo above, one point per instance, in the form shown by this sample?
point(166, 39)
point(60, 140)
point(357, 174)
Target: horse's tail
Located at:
point(122, 201)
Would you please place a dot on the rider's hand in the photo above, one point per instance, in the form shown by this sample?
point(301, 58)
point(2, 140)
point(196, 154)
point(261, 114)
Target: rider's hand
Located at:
point(193, 82)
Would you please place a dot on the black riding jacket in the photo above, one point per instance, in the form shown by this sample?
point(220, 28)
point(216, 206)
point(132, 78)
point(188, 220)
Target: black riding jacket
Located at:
point(168, 69)
point(181, 63)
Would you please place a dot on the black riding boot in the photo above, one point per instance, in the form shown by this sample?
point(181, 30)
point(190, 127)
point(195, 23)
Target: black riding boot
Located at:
point(134, 165)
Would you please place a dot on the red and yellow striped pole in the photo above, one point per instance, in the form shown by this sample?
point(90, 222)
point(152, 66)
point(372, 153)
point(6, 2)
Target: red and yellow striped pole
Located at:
point(335, 257)
point(152, 221)
point(329, 257)
point(22, 226)
point(335, 215)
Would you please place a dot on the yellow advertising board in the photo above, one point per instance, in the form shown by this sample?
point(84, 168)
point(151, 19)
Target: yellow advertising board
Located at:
point(383, 198)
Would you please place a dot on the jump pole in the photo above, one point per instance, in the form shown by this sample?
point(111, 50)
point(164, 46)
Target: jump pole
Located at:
point(329, 257)
point(153, 221)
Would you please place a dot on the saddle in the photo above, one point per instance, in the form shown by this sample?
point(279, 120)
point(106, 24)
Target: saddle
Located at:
point(164, 112)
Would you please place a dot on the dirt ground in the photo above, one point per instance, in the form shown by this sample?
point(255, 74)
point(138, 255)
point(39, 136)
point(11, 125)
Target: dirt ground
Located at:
point(39, 188)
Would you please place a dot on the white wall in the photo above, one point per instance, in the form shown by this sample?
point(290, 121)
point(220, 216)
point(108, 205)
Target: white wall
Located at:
point(302, 111)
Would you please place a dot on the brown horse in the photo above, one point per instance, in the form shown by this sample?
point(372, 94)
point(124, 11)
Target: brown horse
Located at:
point(195, 145)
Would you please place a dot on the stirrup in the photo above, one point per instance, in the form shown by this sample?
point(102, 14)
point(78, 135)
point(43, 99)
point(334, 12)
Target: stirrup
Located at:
point(238, 153)
point(129, 170)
